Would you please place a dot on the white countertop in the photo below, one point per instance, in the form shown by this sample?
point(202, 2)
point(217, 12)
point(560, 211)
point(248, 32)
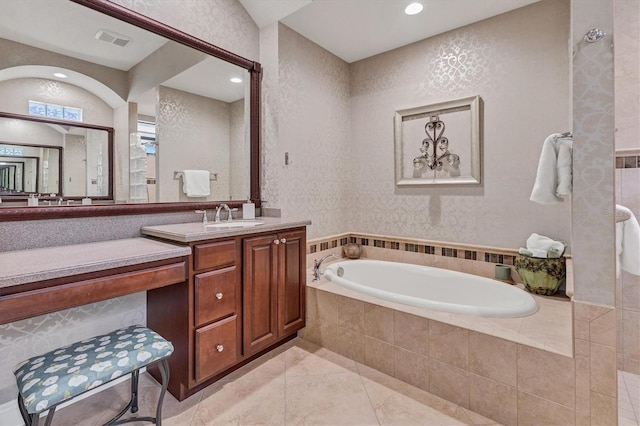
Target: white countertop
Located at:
point(25, 266)
point(195, 231)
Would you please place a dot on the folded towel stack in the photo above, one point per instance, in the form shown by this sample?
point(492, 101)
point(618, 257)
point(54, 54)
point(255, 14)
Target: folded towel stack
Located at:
point(627, 242)
point(554, 176)
point(195, 183)
point(543, 247)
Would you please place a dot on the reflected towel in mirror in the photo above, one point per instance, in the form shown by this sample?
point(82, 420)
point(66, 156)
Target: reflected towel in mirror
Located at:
point(195, 183)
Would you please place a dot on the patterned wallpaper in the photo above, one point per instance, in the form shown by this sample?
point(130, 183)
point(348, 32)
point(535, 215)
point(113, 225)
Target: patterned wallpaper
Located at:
point(593, 155)
point(519, 64)
point(312, 116)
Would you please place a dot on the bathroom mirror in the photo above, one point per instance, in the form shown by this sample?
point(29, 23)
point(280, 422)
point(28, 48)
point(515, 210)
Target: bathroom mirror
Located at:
point(439, 144)
point(60, 158)
point(166, 80)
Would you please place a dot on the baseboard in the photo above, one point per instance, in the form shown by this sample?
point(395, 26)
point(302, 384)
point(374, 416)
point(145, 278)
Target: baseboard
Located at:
point(10, 413)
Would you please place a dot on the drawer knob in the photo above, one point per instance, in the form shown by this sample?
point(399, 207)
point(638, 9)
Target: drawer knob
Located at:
point(284, 240)
point(218, 296)
point(276, 241)
point(220, 348)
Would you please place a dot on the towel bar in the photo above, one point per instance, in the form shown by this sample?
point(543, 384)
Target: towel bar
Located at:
point(178, 175)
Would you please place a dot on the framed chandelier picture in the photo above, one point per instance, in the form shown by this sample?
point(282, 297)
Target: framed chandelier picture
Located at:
point(439, 144)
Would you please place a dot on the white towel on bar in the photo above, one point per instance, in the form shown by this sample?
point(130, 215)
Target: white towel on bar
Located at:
point(554, 176)
point(627, 243)
point(195, 183)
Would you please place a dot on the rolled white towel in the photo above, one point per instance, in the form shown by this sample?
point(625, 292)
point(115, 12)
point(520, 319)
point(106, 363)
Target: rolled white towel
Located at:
point(552, 247)
point(542, 254)
point(627, 243)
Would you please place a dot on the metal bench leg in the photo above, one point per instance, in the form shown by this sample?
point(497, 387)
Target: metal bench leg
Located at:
point(47, 422)
point(163, 366)
point(134, 391)
point(23, 411)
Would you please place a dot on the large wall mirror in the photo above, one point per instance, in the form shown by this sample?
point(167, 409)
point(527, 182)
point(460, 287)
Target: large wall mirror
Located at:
point(174, 103)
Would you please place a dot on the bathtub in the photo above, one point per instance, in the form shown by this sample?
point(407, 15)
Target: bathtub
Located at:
point(432, 288)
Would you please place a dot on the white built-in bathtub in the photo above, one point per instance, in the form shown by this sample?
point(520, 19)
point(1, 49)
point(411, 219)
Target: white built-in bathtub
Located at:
point(432, 288)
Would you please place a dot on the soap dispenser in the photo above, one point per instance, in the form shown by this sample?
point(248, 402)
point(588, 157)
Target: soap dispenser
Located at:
point(248, 210)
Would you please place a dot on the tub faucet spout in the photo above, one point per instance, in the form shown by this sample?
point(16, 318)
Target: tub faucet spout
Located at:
point(316, 265)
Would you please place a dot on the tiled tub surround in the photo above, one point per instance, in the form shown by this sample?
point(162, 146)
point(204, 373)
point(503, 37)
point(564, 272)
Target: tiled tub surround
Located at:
point(532, 370)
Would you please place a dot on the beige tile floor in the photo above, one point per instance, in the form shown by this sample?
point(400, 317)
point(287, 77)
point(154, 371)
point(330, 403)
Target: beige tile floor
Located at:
point(628, 399)
point(296, 384)
point(303, 384)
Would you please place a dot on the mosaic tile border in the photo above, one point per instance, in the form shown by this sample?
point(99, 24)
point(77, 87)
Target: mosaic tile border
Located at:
point(435, 248)
point(628, 162)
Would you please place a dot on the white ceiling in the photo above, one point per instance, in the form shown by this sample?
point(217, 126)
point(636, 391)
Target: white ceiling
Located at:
point(357, 29)
point(351, 29)
point(69, 29)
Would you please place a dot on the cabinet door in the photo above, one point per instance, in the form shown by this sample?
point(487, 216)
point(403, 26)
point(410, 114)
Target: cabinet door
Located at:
point(291, 282)
point(260, 293)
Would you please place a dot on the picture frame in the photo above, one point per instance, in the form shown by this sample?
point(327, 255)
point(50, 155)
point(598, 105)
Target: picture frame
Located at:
point(439, 144)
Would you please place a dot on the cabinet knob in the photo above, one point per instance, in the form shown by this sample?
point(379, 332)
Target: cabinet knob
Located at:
point(276, 241)
point(220, 348)
point(284, 240)
point(218, 296)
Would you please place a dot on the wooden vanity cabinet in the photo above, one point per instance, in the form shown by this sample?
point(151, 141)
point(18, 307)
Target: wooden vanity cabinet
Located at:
point(274, 288)
point(244, 296)
point(217, 307)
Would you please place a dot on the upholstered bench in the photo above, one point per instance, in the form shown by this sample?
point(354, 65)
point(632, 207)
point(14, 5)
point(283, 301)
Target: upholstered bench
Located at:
point(47, 380)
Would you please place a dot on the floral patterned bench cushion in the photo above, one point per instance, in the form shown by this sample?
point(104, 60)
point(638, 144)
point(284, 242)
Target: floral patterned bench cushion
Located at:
point(47, 380)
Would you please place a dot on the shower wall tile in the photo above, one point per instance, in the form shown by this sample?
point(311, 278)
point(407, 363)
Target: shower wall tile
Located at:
point(627, 27)
point(604, 409)
point(603, 369)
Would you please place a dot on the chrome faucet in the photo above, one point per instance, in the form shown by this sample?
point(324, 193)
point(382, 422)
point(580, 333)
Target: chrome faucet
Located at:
point(220, 207)
point(205, 219)
point(316, 265)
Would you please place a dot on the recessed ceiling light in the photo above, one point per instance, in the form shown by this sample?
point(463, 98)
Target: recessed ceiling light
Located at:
point(413, 9)
point(236, 80)
point(59, 75)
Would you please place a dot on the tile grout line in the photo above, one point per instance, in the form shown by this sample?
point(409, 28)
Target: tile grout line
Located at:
point(368, 396)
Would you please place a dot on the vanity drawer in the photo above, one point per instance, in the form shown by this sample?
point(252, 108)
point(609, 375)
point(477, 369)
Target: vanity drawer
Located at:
point(216, 347)
point(214, 255)
point(215, 293)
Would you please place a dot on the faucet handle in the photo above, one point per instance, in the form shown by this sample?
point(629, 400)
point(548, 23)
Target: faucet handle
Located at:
point(205, 220)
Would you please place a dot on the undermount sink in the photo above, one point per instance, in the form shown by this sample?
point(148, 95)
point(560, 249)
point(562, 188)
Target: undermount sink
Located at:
point(235, 224)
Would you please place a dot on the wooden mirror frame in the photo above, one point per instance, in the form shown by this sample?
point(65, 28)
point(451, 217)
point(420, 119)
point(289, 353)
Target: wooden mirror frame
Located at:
point(144, 22)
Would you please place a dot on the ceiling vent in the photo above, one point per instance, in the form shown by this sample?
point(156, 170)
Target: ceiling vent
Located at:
point(113, 38)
